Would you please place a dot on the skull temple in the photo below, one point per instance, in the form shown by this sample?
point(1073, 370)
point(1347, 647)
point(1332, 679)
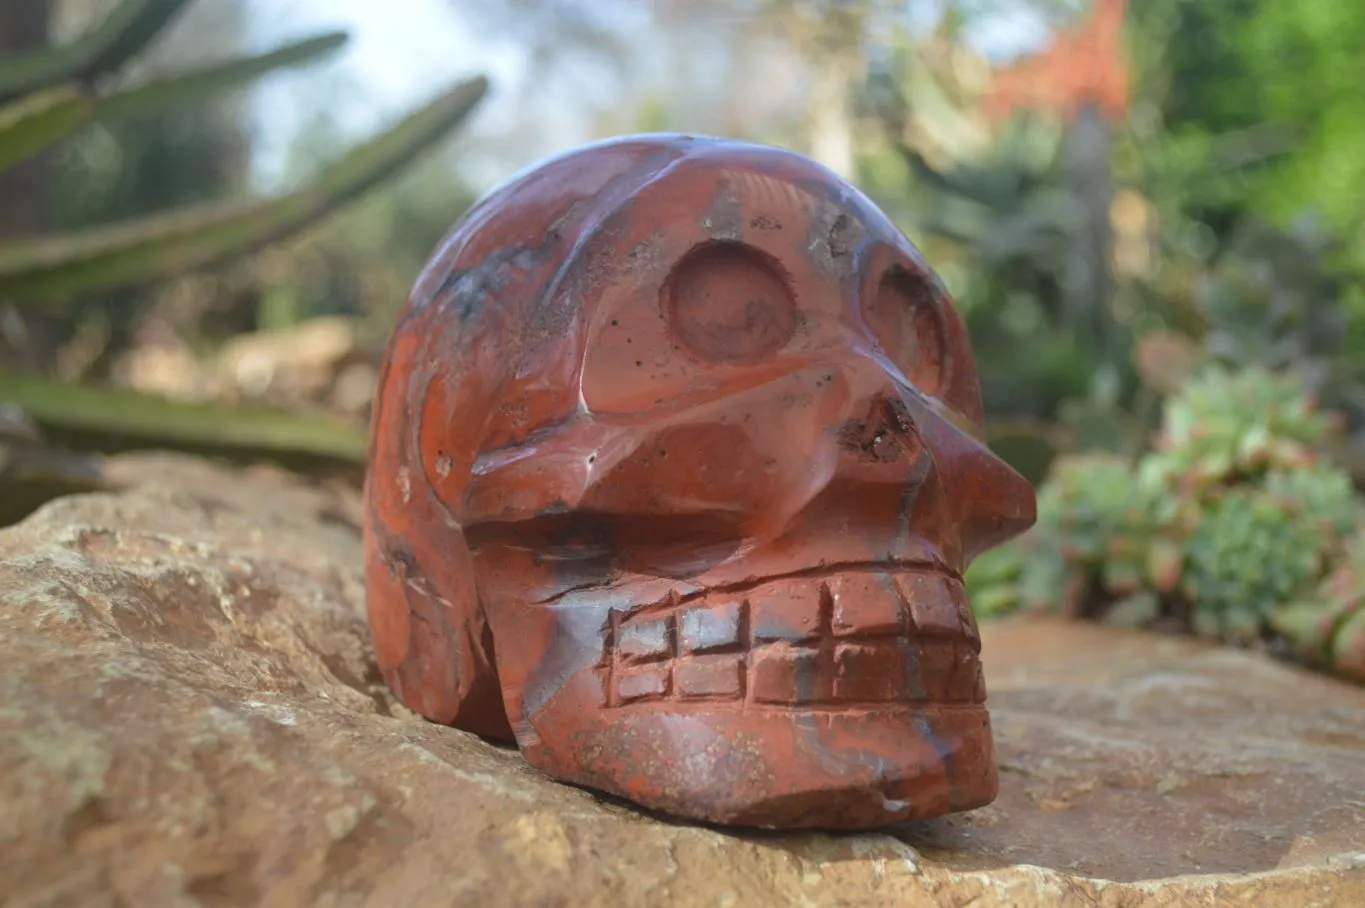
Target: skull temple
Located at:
point(676, 463)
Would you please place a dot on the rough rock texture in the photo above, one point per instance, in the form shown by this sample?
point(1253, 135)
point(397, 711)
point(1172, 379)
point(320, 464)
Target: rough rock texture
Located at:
point(190, 715)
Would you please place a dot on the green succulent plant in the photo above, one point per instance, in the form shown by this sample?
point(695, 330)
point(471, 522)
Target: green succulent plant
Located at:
point(1225, 424)
point(1096, 535)
point(992, 583)
point(1320, 493)
point(1233, 524)
point(1247, 554)
point(1105, 521)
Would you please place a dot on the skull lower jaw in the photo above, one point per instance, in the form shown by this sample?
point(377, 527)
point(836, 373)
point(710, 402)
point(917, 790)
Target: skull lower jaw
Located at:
point(844, 701)
point(821, 768)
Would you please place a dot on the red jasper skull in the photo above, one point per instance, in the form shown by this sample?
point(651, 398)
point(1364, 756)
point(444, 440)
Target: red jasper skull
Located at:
point(676, 464)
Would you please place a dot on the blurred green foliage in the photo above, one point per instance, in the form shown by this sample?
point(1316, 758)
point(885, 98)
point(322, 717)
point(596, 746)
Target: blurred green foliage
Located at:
point(1193, 268)
point(1262, 65)
point(1242, 120)
point(1223, 205)
point(49, 94)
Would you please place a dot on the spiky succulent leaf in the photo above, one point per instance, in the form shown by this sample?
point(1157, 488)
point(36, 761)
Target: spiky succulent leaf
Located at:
point(128, 28)
point(34, 122)
point(140, 420)
point(42, 118)
point(195, 84)
point(53, 268)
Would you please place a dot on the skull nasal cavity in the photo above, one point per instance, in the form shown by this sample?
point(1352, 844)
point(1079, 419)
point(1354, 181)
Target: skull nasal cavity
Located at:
point(885, 434)
point(727, 302)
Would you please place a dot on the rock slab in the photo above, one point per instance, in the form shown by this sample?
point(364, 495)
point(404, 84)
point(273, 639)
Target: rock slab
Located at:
point(190, 716)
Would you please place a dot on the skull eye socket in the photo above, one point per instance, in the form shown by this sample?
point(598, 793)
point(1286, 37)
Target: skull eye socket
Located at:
point(730, 303)
point(910, 329)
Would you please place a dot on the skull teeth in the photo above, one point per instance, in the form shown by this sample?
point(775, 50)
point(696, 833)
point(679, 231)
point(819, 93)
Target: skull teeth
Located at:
point(870, 637)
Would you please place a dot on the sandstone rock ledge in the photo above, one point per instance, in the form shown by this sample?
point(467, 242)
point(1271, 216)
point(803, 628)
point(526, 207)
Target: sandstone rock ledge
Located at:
point(189, 716)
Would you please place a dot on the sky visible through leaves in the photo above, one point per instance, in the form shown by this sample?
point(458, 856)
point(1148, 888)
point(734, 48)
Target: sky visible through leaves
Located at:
point(400, 53)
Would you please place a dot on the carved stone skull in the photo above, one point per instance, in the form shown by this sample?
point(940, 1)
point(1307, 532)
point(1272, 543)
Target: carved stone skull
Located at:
point(676, 464)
